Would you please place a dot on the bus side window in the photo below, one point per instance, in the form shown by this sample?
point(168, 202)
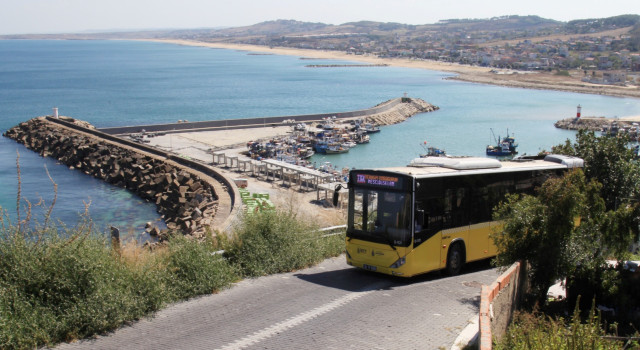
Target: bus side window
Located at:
point(431, 211)
point(447, 219)
point(420, 220)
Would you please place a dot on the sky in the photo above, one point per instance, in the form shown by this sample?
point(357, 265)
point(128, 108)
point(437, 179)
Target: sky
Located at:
point(77, 16)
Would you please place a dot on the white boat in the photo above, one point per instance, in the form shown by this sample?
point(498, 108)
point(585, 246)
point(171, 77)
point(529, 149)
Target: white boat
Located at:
point(336, 149)
point(363, 138)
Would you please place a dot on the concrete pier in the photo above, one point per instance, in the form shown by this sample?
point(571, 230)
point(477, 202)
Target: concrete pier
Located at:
point(389, 112)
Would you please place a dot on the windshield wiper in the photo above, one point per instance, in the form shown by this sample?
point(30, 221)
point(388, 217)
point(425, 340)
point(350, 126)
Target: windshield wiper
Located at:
point(390, 242)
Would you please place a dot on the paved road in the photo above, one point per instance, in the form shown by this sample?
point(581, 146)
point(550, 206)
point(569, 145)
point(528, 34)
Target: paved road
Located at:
point(329, 306)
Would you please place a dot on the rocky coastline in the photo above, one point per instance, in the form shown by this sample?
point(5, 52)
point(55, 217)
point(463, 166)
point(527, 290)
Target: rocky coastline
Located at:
point(185, 200)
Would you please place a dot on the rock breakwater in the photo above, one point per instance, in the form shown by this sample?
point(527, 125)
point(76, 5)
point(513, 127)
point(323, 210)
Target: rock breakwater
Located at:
point(584, 123)
point(401, 111)
point(598, 123)
point(185, 200)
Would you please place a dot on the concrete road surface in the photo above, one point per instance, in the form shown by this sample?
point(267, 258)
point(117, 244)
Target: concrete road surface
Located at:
point(329, 306)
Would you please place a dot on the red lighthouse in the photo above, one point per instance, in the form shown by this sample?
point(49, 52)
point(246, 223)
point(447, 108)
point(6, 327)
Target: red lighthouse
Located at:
point(579, 110)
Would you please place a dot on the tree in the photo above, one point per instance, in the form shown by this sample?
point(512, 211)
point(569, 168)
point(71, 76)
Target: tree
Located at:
point(608, 160)
point(565, 230)
point(542, 229)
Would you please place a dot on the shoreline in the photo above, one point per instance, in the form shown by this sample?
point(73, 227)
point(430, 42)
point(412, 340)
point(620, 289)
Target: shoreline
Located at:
point(472, 74)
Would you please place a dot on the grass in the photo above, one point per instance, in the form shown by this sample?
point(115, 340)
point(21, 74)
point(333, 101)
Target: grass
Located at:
point(273, 242)
point(59, 285)
point(537, 331)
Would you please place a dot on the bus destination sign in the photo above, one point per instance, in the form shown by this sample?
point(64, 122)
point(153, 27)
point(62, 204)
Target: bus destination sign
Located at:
point(378, 180)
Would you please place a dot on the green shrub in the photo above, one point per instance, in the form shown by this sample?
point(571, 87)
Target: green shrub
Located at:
point(59, 288)
point(59, 285)
point(193, 270)
point(538, 332)
point(278, 241)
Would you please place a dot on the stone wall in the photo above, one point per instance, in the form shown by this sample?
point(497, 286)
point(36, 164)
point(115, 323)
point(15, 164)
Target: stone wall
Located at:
point(184, 199)
point(498, 303)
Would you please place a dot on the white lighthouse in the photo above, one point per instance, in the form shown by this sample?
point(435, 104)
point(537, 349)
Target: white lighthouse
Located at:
point(55, 112)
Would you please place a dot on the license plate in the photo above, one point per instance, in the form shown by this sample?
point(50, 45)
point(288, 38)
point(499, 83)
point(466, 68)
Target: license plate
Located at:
point(369, 267)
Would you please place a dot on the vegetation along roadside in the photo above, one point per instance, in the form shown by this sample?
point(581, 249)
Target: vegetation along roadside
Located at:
point(59, 284)
point(579, 229)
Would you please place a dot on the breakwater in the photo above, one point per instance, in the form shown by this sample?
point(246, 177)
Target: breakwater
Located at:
point(188, 199)
point(386, 113)
point(584, 123)
point(190, 195)
point(628, 125)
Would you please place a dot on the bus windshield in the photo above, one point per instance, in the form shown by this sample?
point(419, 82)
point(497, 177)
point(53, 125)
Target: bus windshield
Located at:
point(381, 216)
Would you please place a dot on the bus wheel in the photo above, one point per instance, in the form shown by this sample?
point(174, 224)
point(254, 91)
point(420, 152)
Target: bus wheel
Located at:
point(455, 260)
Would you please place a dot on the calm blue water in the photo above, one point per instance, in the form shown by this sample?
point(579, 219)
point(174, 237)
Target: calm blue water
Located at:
point(114, 83)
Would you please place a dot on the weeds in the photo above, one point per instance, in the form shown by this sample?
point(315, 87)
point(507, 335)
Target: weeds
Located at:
point(73, 285)
point(534, 331)
point(278, 241)
point(193, 270)
point(59, 284)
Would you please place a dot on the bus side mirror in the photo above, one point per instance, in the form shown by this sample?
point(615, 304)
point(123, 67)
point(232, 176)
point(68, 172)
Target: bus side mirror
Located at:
point(420, 218)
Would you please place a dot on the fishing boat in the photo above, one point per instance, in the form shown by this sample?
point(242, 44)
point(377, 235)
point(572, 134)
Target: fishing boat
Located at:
point(506, 146)
point(362, 138)
point(371, 129)
point(320, 146)
point(348, 144)
point(305, 152)
point(336, 149)
point(432, 151)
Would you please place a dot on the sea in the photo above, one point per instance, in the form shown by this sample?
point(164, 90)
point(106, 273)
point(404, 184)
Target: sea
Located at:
point(117, 83)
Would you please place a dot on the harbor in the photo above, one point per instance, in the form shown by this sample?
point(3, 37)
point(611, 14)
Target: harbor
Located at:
point(195, 172)
point(275, 159)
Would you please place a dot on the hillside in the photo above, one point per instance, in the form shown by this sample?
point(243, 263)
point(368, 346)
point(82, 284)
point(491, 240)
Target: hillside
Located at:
point(466, 31)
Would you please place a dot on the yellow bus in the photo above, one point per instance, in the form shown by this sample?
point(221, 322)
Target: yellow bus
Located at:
point(435, 213)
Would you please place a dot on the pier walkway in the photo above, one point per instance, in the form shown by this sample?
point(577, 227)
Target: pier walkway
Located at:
point(241, 123)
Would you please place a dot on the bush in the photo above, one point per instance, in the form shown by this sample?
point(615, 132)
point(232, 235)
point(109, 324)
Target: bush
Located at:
point(193, 270)
point(278, 241)
point(61, 288)
point(533, 332)
point(612, 286)
point(60, 285)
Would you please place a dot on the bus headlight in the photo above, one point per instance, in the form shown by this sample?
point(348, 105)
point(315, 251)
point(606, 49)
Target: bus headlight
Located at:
point(398, 263)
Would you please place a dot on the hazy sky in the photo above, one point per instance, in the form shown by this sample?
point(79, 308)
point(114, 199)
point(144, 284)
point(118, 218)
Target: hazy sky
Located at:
point(64, 16)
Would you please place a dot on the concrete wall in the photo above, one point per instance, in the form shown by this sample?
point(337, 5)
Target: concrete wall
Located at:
point(249, 122)
point(498, 302)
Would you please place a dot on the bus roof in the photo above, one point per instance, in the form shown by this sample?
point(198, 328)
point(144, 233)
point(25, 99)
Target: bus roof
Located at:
point(452, 166)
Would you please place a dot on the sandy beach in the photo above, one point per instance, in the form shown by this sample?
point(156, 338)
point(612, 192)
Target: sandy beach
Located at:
point(474, 74)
